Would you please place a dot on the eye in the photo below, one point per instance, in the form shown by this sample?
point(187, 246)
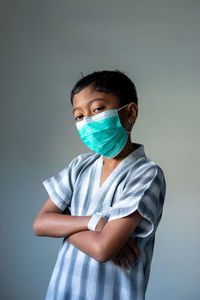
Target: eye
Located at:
point(98, 109)
point(78, 118)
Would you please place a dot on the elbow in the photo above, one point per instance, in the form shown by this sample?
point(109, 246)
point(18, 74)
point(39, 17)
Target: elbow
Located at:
point(102, 258)
point(103, 253)
point(36, 227)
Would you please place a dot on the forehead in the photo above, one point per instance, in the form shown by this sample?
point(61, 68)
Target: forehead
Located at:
point(85, 96)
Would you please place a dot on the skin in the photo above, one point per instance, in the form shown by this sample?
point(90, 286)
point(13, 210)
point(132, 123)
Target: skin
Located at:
point(110, 240)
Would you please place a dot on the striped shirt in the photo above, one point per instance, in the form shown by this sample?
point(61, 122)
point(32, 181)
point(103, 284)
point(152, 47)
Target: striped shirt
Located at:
point(136, 183)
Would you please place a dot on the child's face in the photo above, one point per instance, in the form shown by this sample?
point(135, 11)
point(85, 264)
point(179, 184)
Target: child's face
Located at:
point(89, 102)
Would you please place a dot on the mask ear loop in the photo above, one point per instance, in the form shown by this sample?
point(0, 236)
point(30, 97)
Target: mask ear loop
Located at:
point(121, 107)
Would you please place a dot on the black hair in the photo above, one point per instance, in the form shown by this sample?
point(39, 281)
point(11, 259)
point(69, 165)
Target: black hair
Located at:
point(114, 82)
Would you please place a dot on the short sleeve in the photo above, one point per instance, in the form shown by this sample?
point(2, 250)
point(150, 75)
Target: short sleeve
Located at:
point(144, 192)
point(60, 186)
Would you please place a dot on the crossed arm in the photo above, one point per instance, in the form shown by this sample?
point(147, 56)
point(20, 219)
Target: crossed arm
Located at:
point(102, 245)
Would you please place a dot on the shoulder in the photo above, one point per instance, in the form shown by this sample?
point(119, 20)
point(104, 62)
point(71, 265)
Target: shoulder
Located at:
point(140, 163)
point(155, 170)
point(72, 169)
point(145, 170)
point(150, 164)
point(84, 158)
point(155, 176)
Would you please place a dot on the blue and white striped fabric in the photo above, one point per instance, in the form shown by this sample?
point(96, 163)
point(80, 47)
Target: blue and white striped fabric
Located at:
point(136, 183)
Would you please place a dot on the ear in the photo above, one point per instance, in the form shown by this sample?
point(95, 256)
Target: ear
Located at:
point(132, 111)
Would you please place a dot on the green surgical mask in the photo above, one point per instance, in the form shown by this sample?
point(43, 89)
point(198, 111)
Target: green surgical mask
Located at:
point(103, 133)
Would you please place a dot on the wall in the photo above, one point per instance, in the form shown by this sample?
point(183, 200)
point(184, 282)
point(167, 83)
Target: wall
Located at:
point(44, 47)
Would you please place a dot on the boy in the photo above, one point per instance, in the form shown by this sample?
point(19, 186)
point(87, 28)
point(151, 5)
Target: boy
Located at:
point(115, 195)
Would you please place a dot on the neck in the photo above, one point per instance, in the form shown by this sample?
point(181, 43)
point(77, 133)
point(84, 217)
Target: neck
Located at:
point(128, 148)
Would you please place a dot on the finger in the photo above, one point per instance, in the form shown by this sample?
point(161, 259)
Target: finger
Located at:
point(129, 254)
point(122, 260)
point(134, 246)
point(115, 261)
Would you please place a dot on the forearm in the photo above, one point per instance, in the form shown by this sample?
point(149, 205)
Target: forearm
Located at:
point(104, 245)
point(59, 225)
point(88, 242)
point(96, 244)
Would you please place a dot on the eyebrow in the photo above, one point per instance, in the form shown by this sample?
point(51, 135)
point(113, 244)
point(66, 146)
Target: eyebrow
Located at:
point(93, 100)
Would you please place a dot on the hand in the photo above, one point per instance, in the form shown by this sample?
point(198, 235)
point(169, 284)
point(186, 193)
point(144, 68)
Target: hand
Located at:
point(100, 225)
point(127, 253)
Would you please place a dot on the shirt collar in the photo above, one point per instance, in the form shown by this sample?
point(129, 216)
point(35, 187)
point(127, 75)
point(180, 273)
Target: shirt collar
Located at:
point(137, 153)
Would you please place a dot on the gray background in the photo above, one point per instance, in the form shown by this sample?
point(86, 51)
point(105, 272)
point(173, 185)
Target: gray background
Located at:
point(44, 47)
